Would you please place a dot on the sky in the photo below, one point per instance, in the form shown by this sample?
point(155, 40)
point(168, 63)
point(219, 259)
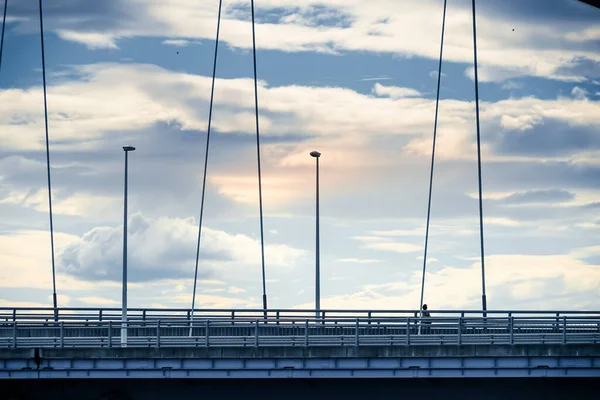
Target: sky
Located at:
point(353, 79)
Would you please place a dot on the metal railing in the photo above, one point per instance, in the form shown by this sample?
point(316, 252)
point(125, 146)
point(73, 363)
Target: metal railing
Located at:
point(28, 328)
point(8, 314)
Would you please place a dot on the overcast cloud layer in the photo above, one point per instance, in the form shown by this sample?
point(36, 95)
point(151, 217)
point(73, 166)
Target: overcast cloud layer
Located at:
point(355, 80)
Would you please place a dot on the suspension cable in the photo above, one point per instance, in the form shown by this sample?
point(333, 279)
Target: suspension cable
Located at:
point(483, 297)
point(2, 37)
point(260, 202)
point(435, 124)
point(48, 163)
point(210, 110)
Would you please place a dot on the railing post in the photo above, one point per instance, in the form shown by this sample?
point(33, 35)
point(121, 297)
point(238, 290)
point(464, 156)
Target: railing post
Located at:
point(100, 315)
point(564, 333)
point(62, 334)
point(323, 317)
point(109, 333)
point(306, 333)
point(511, 322)
point(206, 333)
point(277, 317)
point(232, 317)
point(144, 315)
point(356, 332)
point(369, 315)
point(158, 333)
point(14, 314)
point(460, 330)
point(408, 331)
point(15, 334)
point(256, 333)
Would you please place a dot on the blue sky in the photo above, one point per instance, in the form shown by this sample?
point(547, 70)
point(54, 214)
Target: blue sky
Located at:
point(355, 80)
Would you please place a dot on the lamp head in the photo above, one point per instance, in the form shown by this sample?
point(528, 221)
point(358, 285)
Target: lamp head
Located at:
point(315, 154)
point(128, 148)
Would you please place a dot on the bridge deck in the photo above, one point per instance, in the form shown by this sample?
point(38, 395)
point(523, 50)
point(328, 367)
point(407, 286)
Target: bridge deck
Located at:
point(94, 343)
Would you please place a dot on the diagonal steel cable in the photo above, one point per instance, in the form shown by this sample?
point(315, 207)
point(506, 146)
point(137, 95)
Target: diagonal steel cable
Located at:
point(210, 111)
point(260, 202)
point(435, 124)
point(48, 163)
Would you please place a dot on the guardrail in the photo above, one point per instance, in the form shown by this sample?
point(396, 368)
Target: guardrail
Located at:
point(293, 331)
point(8, 314)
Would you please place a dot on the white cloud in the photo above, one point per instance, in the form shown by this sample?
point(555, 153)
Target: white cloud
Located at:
point(205, 301)
point(521, 122)
point(513, 282)
point(165, 247)
point(359, 260)
point(98, 301)
point(348, 118)
point(377, 78)
point(380, 243)
point(78, 204)
point(394, 91)
point(395, 247)
point(579, 93)
point(176, 42)
point(434, 74)
point(93, 40)
point(379, 27)
point(511, 85)
point(25, 262)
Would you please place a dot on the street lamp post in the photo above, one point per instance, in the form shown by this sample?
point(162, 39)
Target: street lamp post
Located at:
point(127, 149)
point(316, 155)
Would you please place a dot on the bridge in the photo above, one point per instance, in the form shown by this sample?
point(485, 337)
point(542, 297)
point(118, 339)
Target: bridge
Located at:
point(148, 353)
point(295, 344)
point(337, 351)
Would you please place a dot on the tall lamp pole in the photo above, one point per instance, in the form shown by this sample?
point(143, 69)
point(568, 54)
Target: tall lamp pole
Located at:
point(127, 149)
point(316, 155)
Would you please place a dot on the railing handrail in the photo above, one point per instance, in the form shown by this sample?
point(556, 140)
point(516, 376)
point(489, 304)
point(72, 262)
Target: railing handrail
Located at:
point(373, 322)
point(281, 319)
point(303, 310)
point(42, 311)
point(255, 330)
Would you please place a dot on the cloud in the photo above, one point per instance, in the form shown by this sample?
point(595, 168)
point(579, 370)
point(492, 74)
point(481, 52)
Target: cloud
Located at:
point(98, 301)
point(25, 261)
point(359, 260)
point(539, 196)
point(347, 118)
point(377, 78)
point(164, 248)
point(521, 122)
point(379, 243)
point(394, 91)
point(330, 26)
point(512, 85)
point(176, 42)
point(579, 67)
point(93, 40)
point(531, 147)
point(434, 74)
point(536, 136)
point(579, 93)
point(79, 204)
point(513, 282)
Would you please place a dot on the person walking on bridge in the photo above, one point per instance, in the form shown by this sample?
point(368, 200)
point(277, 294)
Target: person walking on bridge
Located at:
point(425, 322)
